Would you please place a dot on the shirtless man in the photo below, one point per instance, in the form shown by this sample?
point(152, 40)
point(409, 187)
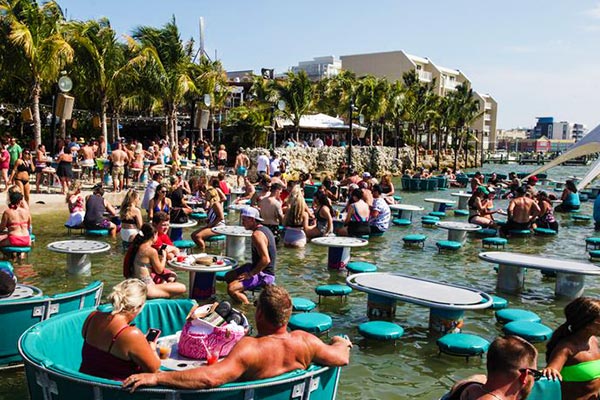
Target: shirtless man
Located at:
point(271, 211)
point(272, 352)
point(87, 162)
point(242, 163)
point(118, 158)
point(521, 212)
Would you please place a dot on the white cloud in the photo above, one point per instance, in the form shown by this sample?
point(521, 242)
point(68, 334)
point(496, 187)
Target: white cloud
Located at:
point(592, 28)
point(594, 12)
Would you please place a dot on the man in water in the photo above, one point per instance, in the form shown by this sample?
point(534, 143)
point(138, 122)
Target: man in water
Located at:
point(521, 212)
point(242, 163)
point(273, 352)
point(271, 211)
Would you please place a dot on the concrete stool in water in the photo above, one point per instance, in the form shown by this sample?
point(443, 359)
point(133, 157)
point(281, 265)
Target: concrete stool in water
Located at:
point(438, 214)
point(357, 267)
point(13, 251)
point(593, 242)
point(381, 330)
point(498, 303)
point(461, 213)
point(533, 332)
point(417, 239)
point(581, 218)
point(515, 314)
point(486, 232)
point(198, 215)
point(544, 232)
point(96, 232)
point(430, 217)
point(448, 245)
point(463, 344)
point(594, 253)
point(401, 222)
point(315, 323)
point(184, 245)
point(333, 290)
point(494, 241)
point(219, 239)
point(519, 232)
point(302, 304)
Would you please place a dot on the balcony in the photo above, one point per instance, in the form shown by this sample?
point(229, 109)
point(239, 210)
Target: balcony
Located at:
point(424, 76)
point(487, 117)
point(450, 84)
point(487, 105)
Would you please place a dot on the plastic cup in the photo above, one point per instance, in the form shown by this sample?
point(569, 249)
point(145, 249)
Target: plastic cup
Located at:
point(164, 351)
point(211, 358)
point(180, 258)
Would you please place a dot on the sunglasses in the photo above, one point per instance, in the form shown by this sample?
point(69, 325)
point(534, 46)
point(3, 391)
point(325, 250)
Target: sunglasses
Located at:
point(163, 191)
point(537, 375)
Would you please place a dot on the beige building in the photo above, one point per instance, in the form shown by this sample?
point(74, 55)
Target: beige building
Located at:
point(392, 65)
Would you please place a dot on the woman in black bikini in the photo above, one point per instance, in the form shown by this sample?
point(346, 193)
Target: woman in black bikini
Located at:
point(20, 174)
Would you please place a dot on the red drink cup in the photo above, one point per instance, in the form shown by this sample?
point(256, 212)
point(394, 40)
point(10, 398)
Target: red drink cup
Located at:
point(181, 258)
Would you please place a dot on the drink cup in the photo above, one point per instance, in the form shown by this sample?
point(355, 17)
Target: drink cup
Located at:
point(181, 258)
point(211, 358)
point(164, 351)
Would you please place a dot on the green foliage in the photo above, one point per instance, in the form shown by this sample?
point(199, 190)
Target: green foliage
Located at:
point(248, 126)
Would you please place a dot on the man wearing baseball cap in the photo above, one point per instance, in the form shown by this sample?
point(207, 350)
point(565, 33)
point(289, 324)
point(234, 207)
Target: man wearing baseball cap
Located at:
point(261, 271)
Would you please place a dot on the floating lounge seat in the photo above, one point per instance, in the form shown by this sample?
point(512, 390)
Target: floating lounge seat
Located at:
point(544, 232)
point(515, 314)
point(487, 232)
point(415, 239)
point(401, 221)
point(463, 344)
point(333, 290)
point(97, 232)
point(439, 214)
point(220, 276)
point(184, 244)
point(519, 232)
point(310, 322)
point(593, 242)
point(530, 331)
point(380, 330)
point(302, 304)
point(461, 213)
point(494, 241)
point(448, 245)
point(498, 303)
point(357, 267)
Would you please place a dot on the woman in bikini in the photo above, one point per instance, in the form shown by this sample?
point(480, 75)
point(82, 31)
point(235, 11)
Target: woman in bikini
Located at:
point(17, 220)
point(479, 213)
point(323, 215)
point(160, 202)
point(64, 170)
point(76, 204)
point(141, 260)
point(131, 215)
point(20, 173)
point(357, 219)
point(215, 217)
point(113, 348)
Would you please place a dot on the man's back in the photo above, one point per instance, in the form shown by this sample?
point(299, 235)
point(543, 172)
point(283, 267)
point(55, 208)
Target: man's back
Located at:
point(270, 210)
point(118, 157)
point(522, 209)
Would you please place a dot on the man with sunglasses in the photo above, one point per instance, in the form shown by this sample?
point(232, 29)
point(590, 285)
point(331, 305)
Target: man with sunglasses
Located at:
point(274, 351)
point(511, 363)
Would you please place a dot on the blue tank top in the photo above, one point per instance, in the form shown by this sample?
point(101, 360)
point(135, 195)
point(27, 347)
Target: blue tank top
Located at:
point(270, 268)
point(94, 210)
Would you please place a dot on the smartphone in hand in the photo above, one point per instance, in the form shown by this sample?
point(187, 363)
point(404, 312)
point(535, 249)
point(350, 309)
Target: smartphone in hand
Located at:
point(153, 334)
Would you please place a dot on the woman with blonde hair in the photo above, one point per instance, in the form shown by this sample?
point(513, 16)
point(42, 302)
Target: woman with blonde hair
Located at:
point(296, 219)
point(113, 348)
point(76, 204)
point(131, 215)
point(214, 217)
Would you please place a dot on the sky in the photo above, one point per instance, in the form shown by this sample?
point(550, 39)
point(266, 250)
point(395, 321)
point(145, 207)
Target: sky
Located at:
point(536, 58)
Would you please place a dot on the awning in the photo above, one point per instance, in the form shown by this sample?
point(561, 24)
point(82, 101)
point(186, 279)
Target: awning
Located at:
point(319, 122)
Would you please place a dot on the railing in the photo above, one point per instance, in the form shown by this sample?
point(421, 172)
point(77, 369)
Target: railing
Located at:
point(450, 84)
point(487, 117)
point(488, 106)
point(424, 75)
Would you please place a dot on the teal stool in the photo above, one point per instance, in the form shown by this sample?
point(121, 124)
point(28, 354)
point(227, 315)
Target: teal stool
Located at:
point(375, 234)
point(594, 253)
point(581, 218)
point(463, 344)
point(215, 238)
point(514, 314)
point(96, 232)
point(593, 242)
point(545, 232)
point(12, 251)
point(401, 222)
point(494, 241)
point(70, 228)
point(519, 232)
point(315, 323)
point(184, 245)
point(397, 198)
point(357, 267)
point(303, 305)
point(487, 232)
point(439, 214)
point(575, 211)
point(381, 330)
point(220, 276)
point(333, 290)
point(32, 238)
point(198, 215)
point(498, 303)
point(461, 213)
point(533, 332)
point(448, 245)
point(430, 217)
point(416, 238)
point(501, 223)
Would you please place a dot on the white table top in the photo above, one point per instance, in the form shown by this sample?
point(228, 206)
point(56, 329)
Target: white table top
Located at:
point(340, 241)
point(237, 207)
point(405, 207)
point(188, 224)
point(436, 200)
point(458, 226)
point(537, 262)
point(176, 362)
point(419, 291)
point(79, 247)
point(23, 292)
point(238, 191)
point(232, 230)
point(228, 264)
point(461, 194)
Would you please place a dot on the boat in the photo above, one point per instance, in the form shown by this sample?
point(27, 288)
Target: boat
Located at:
point(501, 157)
point(52, 356)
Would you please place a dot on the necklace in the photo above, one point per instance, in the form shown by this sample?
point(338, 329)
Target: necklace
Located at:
point(491, 393)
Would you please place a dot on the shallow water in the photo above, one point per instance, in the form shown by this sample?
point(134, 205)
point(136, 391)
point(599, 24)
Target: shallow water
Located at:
point(410, 370)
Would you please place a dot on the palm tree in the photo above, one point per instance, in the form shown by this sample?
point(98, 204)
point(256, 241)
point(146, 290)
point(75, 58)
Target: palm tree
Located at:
point(297, 92)
point(34, 33)
point(395, 110)
point(467, 110)
point(371, 99)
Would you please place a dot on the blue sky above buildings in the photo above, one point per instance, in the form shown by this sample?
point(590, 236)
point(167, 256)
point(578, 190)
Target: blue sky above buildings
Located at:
point(537, 58)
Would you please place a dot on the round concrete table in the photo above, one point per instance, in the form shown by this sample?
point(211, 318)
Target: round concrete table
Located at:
point(570, 275)
point(235, 193)
point(405, 211)
point(463, 199)
point(202, 277)
point(457, 231)
point(177, 229)
point(23, 292)
point(339, 249)
point(78, 253)
point(447, 303)
point(439, 204)
point(235, 242)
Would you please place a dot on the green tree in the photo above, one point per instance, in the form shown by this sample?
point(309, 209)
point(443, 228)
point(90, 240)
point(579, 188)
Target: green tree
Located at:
point(247, 125)
point(466, 109)
point(297, 92)
point(372, 100)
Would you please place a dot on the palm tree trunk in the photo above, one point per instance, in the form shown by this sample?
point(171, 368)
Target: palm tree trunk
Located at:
point(37, 123)
point(415, 134)
point(212, 126)
point(173, 131)
point(103, 112)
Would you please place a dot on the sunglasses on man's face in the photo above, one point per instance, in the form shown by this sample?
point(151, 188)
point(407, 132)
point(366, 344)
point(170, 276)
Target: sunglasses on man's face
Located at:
point(537, 375)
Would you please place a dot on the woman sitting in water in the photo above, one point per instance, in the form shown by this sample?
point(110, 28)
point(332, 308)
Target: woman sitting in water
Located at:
point(214, 217)
point(573, 353)
point(570, 198)
point(296, 219)
point(131, 216)
point(323, 215)
point(76, 204)
point(479, 213)
point(17, 220)
point(357, 219)
point(112, 347)
point(160, 202)
point(546, 218)
point(142, 260)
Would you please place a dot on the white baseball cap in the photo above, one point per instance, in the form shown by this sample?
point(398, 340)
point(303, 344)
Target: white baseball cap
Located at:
point(251, 212)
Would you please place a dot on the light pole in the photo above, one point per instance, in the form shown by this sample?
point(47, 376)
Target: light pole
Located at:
point(64, 84)
point(206, 101)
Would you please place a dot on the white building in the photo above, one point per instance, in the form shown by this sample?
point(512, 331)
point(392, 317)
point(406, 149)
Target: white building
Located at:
point(319, 67)
point(565, 130)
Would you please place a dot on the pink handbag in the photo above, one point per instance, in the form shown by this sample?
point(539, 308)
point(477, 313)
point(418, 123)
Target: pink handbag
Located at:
point(219, 342)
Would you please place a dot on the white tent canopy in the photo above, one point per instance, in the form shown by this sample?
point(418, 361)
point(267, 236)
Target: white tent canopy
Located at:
point(320, 121)
point(590, 144)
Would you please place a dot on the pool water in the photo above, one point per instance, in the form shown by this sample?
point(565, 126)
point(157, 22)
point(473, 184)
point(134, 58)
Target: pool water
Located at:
point(411, 369)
